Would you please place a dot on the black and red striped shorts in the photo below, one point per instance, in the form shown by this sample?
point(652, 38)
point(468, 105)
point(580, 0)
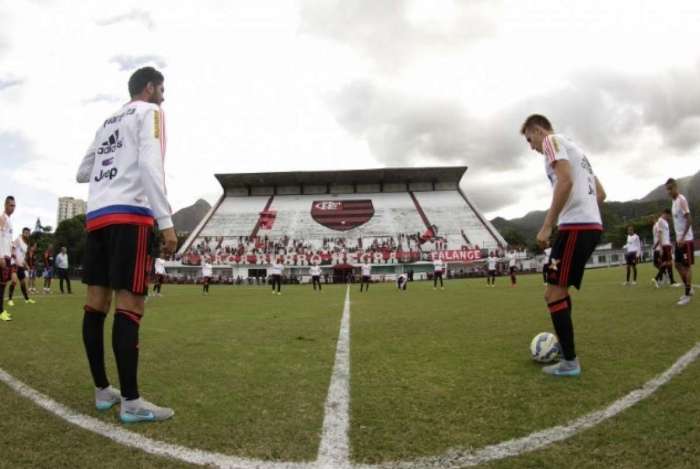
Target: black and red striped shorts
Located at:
point(570, 253)
point(685, 253)
point(119, 257)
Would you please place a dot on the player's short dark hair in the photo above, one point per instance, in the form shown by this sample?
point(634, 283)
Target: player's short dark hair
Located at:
point(670, 181)
point(142, 77)
point(536, 119)
point(8, 198)
point(667, 211)
point(25, 229)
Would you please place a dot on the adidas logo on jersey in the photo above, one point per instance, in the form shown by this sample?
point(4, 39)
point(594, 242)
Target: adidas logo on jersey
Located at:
point(111, 144)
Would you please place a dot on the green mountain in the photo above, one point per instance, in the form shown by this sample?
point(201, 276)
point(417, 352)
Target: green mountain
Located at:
point(616, 216)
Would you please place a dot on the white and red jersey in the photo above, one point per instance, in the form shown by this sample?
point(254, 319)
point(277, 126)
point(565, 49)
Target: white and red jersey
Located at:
point(160, 266)
point(438, 265)
point(492, 262)
point(276, 268)
point(5, 235)
point(679, 210)
point(581, 209)
point(19, 252)
point(655, 236)
point(124, 166)
point(511, 259)
point(662, 232)
point(634, 244)
point(206, 270)
point(366, 270)
point(315, 270)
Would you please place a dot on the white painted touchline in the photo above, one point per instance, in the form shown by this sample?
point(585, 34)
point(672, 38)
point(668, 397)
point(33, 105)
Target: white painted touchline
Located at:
point(334, 450)
point(464, 457)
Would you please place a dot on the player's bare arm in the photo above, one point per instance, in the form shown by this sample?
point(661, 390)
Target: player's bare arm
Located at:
point(599, 192)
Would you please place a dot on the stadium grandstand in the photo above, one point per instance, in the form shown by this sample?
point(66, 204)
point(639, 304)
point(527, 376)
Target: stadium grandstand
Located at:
point(395, 219)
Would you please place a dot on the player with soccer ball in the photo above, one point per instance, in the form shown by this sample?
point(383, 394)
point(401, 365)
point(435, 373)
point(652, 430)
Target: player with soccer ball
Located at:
point(575, 207)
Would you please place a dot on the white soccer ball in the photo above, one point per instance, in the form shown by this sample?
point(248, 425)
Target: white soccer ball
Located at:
point(545, 348)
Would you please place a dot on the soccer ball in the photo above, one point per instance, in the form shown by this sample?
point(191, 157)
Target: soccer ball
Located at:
point(545, 347)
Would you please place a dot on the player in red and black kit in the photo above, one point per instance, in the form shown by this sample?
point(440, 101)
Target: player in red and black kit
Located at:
point(48, 268)
point(575, 208)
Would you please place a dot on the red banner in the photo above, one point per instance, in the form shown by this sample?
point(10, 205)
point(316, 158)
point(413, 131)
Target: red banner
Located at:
point(383, 257)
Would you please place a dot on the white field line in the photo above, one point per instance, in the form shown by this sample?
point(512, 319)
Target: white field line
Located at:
point(334, 449)
point(464, 457)
point(135, 440)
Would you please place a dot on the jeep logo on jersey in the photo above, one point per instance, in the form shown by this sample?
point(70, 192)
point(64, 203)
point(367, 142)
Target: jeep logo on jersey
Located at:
point(111, 144)
point(342, 215)
point(106, 174)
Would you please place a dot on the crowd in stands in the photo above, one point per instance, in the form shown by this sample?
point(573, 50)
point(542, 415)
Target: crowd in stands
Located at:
point(220, 246)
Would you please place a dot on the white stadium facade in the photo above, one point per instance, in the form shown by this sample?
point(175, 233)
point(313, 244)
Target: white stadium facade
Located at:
point(397, 219)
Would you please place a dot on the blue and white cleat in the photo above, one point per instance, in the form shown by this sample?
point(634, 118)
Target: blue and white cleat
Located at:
point(564, 368)
point(107, 398)
point(140, 410)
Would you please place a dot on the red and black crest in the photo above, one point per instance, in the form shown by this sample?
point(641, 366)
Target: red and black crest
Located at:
point(342, 215)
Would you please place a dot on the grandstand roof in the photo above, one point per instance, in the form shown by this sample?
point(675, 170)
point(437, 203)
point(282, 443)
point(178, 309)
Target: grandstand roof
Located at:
point(358, 176)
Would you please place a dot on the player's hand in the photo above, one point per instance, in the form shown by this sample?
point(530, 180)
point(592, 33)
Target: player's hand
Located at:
point(169, 241)
point(544, 235)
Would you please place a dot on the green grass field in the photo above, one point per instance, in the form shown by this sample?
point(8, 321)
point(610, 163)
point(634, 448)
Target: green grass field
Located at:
point(248, 373)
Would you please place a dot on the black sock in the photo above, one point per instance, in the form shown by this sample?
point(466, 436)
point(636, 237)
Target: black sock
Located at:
point(635, 273)
point(125, 343)
point(628, 273)
point(93, 339)
point(670, 274)
point(660, 274)
point(11, 293)
point(687, 289)
point(560, 311)
point(2, 296)
point(23, 287)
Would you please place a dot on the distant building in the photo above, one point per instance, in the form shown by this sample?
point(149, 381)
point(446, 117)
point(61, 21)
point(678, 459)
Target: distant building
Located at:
point(68, 207)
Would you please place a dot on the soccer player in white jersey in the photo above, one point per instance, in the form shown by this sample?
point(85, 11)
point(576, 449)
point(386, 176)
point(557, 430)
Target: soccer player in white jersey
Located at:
point(438, 271)
point(20, 248)
point(402, 282)
point(315, 272)
point(685, 249)
point(5, 252)
point(664, 248)
point(545, 263)
point(127, 196)
point(207, 274)
point(276, 269)
point(633, 253)
point(491, 263)
point(575, 207)
point(366, 275)
point(159, 267)
point(512, 268)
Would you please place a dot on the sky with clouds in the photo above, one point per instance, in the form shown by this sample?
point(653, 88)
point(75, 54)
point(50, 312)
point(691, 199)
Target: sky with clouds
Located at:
point(340, 84)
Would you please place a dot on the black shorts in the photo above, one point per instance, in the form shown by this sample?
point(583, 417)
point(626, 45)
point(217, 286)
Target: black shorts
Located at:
point(366, 278)
point(511, 269)
point(118, 257)
point(492, 273)
point(570, 252)
point(438, 273)
point(206, 280)
point(21, 273)
point(666, 253)
point(631, 258)
point(6, 272)
point(316, 278)
point(685, 254)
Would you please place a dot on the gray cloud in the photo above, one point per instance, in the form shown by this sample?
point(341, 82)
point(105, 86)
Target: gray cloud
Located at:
point(382, 30)
point(599, 110)
point(9, 83)
point(131, 62)
point(136, 15)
